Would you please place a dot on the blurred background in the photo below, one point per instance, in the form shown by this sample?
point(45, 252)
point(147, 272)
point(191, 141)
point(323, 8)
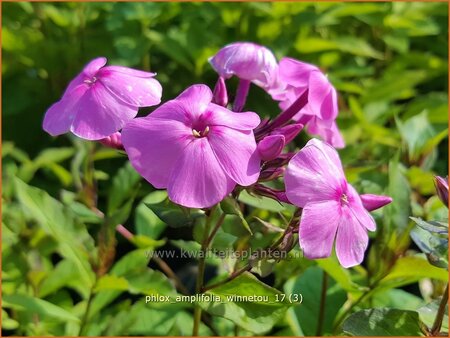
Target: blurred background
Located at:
point(388, 62)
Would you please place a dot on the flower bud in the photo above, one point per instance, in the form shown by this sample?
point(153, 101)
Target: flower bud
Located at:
point(289, 132)
point(441, 185)
point(271, 173)
point(277, 195)
point(113, 141)
point(270, 147)
point(372, 202)
point(220, 95)
point(247, 61)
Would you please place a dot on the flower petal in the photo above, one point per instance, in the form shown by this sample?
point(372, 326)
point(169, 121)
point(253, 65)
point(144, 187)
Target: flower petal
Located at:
point(294, 72)
point(130, 71)
point(187, 107)
point(93, 66)
point(358, 210)
point(197, 180)
point(329, 109)
point(319, 89)
point(314, 174)
point(196, 99)
point(318, 227)
point(327, 130)
point(236, 152)
point(154, 146)
point(220, 116)
point(98, 114)
point(60, 115)
point(351, 240)
point(135, 90)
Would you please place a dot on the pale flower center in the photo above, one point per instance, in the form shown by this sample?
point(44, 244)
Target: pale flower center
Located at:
point(90, 81)
point(344, 199)
point(201, 133)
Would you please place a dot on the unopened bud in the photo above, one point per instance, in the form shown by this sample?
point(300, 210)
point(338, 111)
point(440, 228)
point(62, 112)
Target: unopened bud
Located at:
point(270, 147)
point(372, 202)
point(441, 185)
point(220, 95)
point(289, 132)
point(113, 141)
point(271, 173)
point(277, 195)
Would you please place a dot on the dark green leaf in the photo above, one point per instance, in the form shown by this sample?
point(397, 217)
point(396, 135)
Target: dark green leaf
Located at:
point(256, 316)
point(383, 322)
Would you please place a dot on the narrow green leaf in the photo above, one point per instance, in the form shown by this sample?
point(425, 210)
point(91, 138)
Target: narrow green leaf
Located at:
point(37, 306)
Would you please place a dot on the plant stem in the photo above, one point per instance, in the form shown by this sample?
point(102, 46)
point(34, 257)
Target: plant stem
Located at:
point(235, 274)
point(323, 297)
point(285, 116)
point(201, 271)
point(169, 273)
point(214, 230)
point(245, 268)
point(88, 307)
point(436, 328)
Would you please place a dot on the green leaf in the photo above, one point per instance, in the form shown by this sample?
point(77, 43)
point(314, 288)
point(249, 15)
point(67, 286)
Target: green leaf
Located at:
point(63, 274)
point(7, 322)
point(338, 273)
point(348, 44)
point(432, 239)
point(397, 299)
point(123, 187)
point(397, 213)
point(111, 282)
point(437, 227)
point(47, 158)
point(145, 242)
point(383, 322)
point(428, 314)
point(146, 221)
point(309, 284)
point(416, 132)
point(37, 306)
point(175, 215)
point(230, 207)
point(150, 282)
point(255, 316)
point(402, 273)
point(58, 222)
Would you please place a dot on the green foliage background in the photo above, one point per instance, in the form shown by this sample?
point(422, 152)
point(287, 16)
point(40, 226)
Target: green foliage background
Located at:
point(389, 63)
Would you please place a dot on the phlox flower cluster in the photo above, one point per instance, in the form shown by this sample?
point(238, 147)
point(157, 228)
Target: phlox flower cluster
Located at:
point(202, 148)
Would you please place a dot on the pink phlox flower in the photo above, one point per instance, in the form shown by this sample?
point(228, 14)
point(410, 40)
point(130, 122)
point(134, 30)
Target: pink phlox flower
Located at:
point(100, 100)
point(195, 149)
point(319, 115)
point(332, 209)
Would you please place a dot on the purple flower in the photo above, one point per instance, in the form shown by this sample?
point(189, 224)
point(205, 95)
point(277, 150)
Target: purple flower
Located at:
point(332, 208)
point(100, 100)
point(196, 149)
point(247, 61)
point(441, 185)
point(319, 115)
point(270, 147)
